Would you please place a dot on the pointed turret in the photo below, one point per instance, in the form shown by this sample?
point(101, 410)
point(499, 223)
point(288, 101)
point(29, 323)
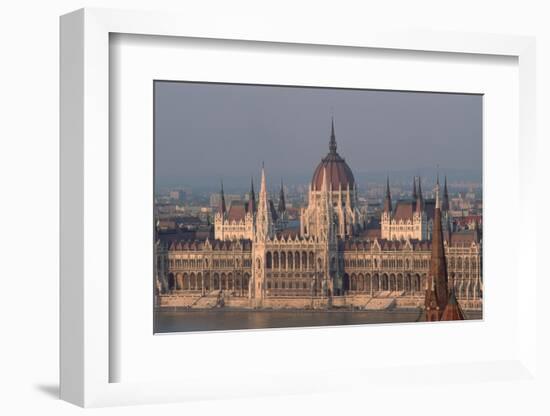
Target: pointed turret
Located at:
point(387, 199)
point(414, 194)
point(264, 219)
point(437, 279)
point(281, 209)
point(222, 208)
point(251, 198)
point(437, 200)
point(332, 142)
point(419, 198)
point(445, 204)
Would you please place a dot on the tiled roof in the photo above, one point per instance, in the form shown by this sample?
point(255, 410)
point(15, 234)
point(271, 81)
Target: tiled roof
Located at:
point(466, 237)
point(404, 210)
point(237, 211)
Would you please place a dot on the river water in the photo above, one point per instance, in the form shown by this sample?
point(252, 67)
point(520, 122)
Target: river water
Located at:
point(167, 320)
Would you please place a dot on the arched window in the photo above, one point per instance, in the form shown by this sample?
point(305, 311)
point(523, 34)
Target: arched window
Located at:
point(216, 281)
point(276, 260)
point(185, 281)
point(269, 264)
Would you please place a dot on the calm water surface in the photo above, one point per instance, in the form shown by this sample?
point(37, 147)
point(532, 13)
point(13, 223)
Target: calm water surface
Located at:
point(224, 319)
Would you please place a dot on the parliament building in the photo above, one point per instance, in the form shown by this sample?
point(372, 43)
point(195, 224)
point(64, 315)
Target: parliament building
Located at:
point(254, 258)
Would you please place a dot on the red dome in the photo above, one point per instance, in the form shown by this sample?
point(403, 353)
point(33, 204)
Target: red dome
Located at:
point(338, 171)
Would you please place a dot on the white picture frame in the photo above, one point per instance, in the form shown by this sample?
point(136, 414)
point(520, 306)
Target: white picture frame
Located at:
point(86, 355)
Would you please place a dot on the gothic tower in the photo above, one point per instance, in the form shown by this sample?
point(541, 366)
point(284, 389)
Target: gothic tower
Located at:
point(263, 231)
point(251, 198)
point(220, 217)
point(281, 209)
point(437, 291)
point(447, 219)
point(420, 217)
point(386, 219)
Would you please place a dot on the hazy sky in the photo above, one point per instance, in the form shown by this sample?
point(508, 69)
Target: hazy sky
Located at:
point(204, 132)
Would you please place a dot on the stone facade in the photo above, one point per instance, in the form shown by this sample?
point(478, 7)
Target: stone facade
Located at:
point(330, 259)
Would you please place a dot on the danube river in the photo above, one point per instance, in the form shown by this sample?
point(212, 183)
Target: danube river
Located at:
point(168, 320)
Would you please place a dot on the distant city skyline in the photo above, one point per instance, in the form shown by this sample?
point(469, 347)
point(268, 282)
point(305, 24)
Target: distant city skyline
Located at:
point(208, 132)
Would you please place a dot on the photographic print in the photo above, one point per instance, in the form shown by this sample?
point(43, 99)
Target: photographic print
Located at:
point(291, 206)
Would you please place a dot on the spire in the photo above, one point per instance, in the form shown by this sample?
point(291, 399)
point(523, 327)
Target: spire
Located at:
point(263, 214)
point(282, 207)
point(445, 205)
point(332, 143)
point(419, 200)
point(222, 201)
point(387, 200)
point(438, 271)
point(414, 195)
point(251, 198)
point(437, 202)
point(263, 187)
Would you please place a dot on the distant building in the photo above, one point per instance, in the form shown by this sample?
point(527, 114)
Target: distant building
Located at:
point(177, 195)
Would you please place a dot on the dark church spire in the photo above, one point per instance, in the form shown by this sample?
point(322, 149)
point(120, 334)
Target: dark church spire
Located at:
point(437, 292)
point(414, 194)
point(282, 207)
point(222, 201)
point(387, 199)
point(251, 198)
point(419, 199)
point(445, 205)
point(332, 143)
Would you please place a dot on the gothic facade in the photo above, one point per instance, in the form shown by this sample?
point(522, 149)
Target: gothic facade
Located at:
point(254, 255)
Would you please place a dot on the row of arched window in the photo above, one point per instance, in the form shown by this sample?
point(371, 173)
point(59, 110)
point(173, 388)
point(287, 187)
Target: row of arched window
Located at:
point(203, 263)
point(290, 260)
point(465, 287)
point(459, 263)
point(391, 263)
point(215, 281)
